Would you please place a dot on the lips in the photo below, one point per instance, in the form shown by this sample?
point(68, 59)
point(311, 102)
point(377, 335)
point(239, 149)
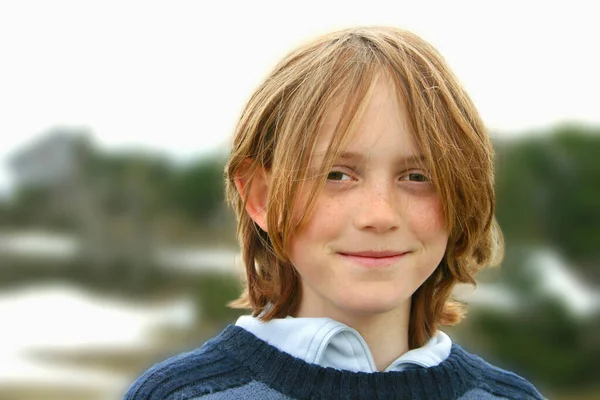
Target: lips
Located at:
point(373, 258)
point(373, 254)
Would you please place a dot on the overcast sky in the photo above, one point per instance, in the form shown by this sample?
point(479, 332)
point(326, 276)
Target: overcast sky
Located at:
point(174, 75)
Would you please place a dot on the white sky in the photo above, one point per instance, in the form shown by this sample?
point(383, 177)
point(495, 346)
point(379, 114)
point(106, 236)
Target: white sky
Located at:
point(174, 75)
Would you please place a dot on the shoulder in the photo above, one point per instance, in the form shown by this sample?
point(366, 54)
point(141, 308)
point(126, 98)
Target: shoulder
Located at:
point(494, 380)
point(207, 369)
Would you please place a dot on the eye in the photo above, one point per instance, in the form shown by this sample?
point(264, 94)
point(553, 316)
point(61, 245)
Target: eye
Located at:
point(338, 176)
point(415, 177)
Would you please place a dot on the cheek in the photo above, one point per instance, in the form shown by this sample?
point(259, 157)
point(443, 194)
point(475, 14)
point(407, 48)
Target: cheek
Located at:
point(428, 225)
point(325, 210)
point(324, 220)
point(427, 219)
point(301, 202)
point(324, 226)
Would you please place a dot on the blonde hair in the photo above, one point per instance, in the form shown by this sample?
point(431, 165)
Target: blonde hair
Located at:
point(278, 130)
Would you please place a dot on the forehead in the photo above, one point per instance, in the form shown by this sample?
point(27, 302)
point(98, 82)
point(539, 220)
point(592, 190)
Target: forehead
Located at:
point(383, 116)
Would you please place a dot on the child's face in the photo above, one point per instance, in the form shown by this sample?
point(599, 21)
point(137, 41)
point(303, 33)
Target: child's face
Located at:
point(377, 231)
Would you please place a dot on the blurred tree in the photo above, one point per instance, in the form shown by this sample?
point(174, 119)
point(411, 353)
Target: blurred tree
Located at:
point(29, 206)
point(213, 293)
point(125, 195)
point(541, 339)
point(199, 189)
point(95, 188)
point(574, 220)
point(548, 190)
point(543, 342)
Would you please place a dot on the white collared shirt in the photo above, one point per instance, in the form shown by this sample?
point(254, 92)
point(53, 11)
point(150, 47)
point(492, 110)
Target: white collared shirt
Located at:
point(330, 343)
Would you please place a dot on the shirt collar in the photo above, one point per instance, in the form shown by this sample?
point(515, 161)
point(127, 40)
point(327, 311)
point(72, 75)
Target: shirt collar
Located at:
point(330, 343)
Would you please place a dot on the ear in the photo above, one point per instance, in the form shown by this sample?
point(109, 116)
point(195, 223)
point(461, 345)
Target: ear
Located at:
point(256, 187)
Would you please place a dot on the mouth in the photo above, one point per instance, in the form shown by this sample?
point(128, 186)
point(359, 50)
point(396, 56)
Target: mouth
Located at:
point(373, 258)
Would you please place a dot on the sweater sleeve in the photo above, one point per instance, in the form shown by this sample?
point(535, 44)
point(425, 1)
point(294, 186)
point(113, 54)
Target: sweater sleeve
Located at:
point(191, 375)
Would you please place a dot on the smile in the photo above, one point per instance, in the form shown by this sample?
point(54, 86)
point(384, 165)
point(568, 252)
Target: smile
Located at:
point(373, 259)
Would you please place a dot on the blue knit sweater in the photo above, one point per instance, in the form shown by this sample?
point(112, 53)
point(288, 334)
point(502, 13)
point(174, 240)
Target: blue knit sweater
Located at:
point(236, 365)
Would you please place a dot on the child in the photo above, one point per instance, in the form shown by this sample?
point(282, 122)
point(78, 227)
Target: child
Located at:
point(362, 177)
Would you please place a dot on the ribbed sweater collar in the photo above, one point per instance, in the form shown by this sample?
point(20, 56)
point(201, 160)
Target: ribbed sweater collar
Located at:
point(298, 379)
point(330, 343)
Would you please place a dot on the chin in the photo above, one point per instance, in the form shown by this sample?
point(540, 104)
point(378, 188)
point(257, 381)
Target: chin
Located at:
point(373, 304)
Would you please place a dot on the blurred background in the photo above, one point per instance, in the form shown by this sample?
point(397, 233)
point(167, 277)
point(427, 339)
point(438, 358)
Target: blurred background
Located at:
point(116, 247)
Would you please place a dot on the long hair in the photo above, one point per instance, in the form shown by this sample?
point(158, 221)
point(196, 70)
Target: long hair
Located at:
point(278, 130)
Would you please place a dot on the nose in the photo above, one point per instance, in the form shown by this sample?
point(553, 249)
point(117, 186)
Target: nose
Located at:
point(378, 210)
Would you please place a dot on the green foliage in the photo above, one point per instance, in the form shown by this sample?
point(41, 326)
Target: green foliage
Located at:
point(548, 195)
point(130, 185)
point(213, 293)
point(548, 191)
point(129, 182)
point(199, 189)
point(28, 205)
point(542, 341)
point(575, 215)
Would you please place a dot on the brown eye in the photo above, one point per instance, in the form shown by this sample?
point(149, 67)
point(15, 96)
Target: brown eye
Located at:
point(416, 177)
point(337, 176)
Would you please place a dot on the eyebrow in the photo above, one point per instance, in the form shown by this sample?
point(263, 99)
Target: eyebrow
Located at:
point(361, 158)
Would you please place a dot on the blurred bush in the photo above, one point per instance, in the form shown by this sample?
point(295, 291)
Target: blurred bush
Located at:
point(548, 196)
point(213, 293)
point(548, 192)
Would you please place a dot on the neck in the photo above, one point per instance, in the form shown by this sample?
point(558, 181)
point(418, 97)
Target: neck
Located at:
point(386, 342)
point(386, 334)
